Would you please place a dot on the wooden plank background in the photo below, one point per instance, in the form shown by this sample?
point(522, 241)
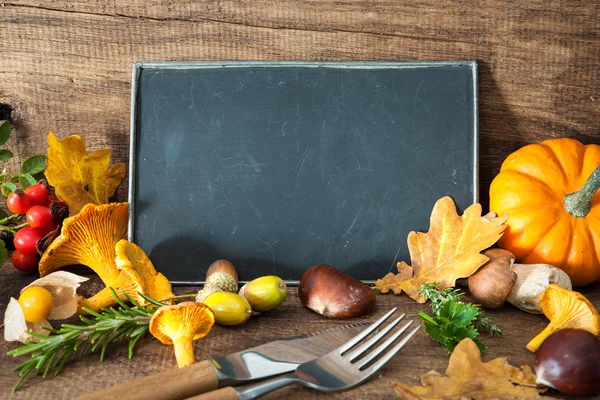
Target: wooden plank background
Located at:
point(65, 66)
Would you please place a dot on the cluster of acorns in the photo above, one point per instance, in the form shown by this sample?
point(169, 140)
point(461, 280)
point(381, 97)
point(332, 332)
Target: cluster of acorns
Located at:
point(232, 306)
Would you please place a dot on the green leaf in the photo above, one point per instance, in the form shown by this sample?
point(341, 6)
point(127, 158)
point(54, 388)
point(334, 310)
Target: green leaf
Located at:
point(39, 176)
point(7, 188)
point(5, 155)
point(3, 214)
point(5, 130)
point(27, 180)
point(34, 164)
point(3, 253)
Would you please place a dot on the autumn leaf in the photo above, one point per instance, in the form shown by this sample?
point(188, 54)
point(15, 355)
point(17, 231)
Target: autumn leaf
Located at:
point(80, 178)
point(467, 377)
point(450, 250)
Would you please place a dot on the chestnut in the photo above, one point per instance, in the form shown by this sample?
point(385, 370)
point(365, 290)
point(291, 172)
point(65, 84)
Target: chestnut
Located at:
point(333, 293)
point(569, 361)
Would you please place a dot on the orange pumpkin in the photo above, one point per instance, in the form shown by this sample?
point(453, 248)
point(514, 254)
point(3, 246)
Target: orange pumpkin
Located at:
point(550, 192)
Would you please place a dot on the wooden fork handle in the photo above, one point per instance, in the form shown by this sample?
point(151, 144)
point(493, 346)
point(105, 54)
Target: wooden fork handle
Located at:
point(173, 384)
point(226, 393)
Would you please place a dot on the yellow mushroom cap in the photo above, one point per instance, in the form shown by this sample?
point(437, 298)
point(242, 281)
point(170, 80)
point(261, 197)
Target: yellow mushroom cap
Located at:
point(95, 238)
point(136, 275)
point(88, 238)
point(179, 325)
point(565, 309)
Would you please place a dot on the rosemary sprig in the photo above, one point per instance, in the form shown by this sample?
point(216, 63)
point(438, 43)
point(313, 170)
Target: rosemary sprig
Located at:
point(52, 352)
point(454, 320)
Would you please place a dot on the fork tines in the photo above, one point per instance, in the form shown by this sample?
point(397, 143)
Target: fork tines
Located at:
point(362, 349)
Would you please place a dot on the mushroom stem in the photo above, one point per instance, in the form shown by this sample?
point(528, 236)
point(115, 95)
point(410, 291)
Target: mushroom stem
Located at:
point(537, 341)
point(184, 351)
point(102, 299)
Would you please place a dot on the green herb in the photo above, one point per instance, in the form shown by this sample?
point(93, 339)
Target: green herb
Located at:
point(52, 352)
point(454, 320)
point(32, 168)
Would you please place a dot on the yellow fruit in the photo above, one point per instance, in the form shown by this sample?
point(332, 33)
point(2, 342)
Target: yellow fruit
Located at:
point(36, 303)
point(265, 293)
point(229, 308)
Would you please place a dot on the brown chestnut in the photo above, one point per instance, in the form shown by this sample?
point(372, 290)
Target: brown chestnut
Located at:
point(569, 361)
point(333, 293)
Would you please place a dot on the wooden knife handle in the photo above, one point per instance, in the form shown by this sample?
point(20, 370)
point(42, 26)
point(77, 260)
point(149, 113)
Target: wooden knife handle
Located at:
point(173, 384)
point(226, 393)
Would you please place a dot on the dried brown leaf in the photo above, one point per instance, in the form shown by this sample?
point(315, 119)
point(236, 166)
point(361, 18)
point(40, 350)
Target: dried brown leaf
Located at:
point(467, 377)
point(80, 178)
point(450, 250)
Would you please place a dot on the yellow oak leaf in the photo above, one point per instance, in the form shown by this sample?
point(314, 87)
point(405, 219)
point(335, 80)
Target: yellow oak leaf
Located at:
point(448, 251)
point(80, 178)
point(467, 377)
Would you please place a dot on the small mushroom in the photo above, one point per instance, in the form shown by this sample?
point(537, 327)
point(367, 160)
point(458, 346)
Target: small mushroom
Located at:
point(493, 282)
point(565, 309)
point(532, 281)
point(180, 325)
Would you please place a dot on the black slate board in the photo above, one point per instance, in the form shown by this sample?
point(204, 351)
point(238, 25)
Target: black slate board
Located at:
point(277, 166)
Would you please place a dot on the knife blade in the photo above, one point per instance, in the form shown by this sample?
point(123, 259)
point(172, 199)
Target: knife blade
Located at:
point(280, 356)
point(268, 359)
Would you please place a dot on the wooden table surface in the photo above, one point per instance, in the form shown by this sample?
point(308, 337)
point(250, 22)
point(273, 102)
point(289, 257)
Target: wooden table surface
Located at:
point(65, 67)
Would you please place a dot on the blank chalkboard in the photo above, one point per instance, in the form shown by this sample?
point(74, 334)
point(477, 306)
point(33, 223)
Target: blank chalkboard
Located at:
point(278, 166)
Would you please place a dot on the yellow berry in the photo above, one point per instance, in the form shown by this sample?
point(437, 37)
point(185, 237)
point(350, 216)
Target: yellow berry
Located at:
point(36, 303)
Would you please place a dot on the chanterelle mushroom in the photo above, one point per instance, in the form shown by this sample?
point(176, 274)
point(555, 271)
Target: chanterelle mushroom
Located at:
point(95, 238)
point(136, 275)
point(180, 325)
point(89, 238)
point(565, 309)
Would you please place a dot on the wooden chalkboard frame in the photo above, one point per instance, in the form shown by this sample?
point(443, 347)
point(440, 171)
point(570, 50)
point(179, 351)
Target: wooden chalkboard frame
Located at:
point(138, 68)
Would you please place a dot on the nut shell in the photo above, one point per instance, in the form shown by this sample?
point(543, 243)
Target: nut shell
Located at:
point(333, 293)
point(265, 293)
point(229, 308)
point(569, 361)
point(222, 266)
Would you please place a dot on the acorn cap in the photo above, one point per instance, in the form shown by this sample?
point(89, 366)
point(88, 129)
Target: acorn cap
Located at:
point(223, 281)
point(181, 324)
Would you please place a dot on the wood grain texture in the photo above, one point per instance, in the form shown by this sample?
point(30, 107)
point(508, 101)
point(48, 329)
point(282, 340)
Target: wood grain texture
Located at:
point(174, 383)
point(65, 66)
point(87, 374)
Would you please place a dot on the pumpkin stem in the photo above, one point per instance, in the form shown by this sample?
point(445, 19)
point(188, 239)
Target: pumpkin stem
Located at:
point(579, 203)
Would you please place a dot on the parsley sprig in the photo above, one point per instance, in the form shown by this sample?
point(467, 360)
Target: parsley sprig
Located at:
point(454, 320)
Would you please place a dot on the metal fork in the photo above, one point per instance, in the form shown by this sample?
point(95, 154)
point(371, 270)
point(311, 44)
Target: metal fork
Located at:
point(340, 369)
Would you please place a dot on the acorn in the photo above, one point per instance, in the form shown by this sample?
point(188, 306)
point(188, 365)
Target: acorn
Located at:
point(229, 308)
point(264, 293)
point(222, 266)
point(221, 276)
